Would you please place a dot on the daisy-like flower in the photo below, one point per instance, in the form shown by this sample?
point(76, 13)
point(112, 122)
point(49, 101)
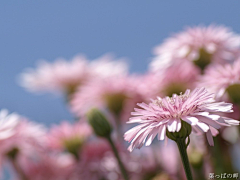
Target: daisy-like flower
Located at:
point(201, 45)
point(17, 132)
point(69, 136)
point(19, 137)
point(97, 161)
point(65, 76)
point(101, 163)
point(221, 78)
point(117, 94)
point(174, 80)
point(47, 166)
point(197, 108)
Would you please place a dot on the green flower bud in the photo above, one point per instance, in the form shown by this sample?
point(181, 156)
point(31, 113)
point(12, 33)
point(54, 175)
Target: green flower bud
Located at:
point(233, 92)
point(184, 132)
point(99, 123)
point(174, 88)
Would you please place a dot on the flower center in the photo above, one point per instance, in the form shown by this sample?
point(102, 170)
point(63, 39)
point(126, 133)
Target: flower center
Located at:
point(13, 153)
point(233, 92)
point(174, 88)
point(177, 110)
point(115, 102)
point(73, 145)
point(203, 60)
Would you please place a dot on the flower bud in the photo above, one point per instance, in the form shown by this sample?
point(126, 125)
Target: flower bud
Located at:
point(233, 93)
point(99, 123)
point(184, 132)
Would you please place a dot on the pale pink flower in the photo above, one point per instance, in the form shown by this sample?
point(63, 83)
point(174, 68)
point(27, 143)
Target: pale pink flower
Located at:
point(19, 135)
point(219, 77)
point(8, 123)
point(175, 79)
point(198, 108)
point(64, 76)
point(48, 166)
point(64, 134)
point(17, 132)
point(117, 94)
point(168, 157)
point(98, 161)
point(219, 43)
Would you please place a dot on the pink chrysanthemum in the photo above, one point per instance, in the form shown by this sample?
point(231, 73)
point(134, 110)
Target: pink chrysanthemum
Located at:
point(218, 78)
point(117, 94)
point(64, 75)
point(212, 43)
point(98, 161)
point(48, 166)
point(67, 135)
point(174, 80)
point(198, 108)
point(16, 132)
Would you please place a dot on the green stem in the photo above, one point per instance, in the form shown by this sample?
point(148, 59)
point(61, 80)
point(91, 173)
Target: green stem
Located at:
point(183, 152)
point(121, 166)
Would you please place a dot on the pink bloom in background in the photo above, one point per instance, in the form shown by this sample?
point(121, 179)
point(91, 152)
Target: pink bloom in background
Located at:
point(19, 137)
point(8, 123)
point(17, 132)
point(170, 163)
point(117, 94)
point(198, 108)
point(97, 161)
point(64, 76)
point(106, 66)
point(219, 77)
point(48, 166)
point(218, 43)
point(67, 134)
point(174, 80)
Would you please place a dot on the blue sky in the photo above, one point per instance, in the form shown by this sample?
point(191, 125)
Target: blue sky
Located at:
point(33, 30)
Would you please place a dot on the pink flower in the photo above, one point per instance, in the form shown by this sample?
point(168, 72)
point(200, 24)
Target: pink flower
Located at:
point(67, 135)
point(175, 79)
point(65, 76)
point(167, 156)
point(17, 132)
point(116, 94)
point(98, 161)
point(219, 77)
point(198, 108)
point(212, 43)
point(19, 137)
point(48, 166)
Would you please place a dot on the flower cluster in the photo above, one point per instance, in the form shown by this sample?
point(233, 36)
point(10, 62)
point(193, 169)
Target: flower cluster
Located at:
point(191, 88)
